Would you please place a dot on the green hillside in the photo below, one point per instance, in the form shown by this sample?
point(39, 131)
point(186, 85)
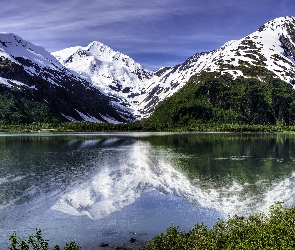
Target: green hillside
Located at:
point(215, 98)
point(34, 99)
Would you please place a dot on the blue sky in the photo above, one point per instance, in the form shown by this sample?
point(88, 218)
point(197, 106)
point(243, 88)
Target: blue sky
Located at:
point(154, 33)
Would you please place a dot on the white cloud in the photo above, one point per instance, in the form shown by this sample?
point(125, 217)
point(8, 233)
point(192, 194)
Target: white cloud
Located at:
point(166, 26)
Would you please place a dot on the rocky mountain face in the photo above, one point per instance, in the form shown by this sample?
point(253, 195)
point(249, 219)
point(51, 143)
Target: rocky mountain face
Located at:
point(139, 91)
point(96, 83)
point(117, 75)
point(36, 87)
point(272, 46)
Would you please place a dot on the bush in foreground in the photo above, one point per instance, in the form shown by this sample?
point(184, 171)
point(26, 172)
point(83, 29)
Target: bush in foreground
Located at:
point(259, 231)
point(36, 242)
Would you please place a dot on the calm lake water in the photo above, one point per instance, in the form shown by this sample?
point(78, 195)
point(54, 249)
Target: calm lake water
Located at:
point(109, 187)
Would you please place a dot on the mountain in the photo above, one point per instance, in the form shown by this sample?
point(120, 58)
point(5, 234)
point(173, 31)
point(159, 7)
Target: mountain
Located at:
point(218, 98)
point(115, 74)
point(272, 46)
point(131, 86)
point(36, 87)
point(247, 81)
point(96, 83)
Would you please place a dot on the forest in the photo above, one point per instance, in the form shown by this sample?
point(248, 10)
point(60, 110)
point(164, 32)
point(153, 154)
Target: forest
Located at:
point(209, 101)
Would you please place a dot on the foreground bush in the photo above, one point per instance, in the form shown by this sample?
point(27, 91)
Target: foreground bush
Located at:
point(258, 231)
point(36, 242)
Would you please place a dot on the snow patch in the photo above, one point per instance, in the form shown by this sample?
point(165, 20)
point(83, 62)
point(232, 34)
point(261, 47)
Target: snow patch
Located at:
point(69, 118)
point(13, 83)
point(109, 119)
point(88, 117)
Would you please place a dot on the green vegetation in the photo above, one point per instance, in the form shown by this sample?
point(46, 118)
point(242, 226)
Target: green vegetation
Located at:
point(144, 126)
point(258, 231)
point(275, 230)
point(36, 242)
point(23, 109)
point(212, 99)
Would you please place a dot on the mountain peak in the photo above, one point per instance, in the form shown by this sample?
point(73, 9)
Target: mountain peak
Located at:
point(13, 47)
point(284, 19)
point(280, 24)
point(98, 49)
point(8, 36)
point(96, 44)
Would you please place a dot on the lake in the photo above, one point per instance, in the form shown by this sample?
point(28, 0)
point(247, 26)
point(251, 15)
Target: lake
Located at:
point(95, 188)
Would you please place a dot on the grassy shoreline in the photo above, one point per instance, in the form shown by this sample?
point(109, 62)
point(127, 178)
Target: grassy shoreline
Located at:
point(140, 127)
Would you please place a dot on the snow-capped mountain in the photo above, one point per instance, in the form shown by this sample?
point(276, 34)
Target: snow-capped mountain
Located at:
point(272, 46)
point(114, 73)
point(31, 74)
point(35, 59)
point(130, 85)
point(96, 83)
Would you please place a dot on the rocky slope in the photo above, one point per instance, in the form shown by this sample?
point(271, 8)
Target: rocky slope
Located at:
point(31, 77)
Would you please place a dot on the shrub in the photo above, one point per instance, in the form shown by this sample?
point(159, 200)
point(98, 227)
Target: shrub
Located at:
point(36, 242)
point(258, 231)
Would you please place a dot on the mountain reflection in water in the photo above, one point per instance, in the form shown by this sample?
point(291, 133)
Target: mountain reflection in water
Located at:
point(101, 185)
point(124, 175)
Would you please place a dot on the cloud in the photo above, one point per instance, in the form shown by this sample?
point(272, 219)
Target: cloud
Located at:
point(77, 14)
point(138, 27)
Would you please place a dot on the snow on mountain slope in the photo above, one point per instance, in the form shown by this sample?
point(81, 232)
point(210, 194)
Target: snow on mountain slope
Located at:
point(40, 77)
point(114, 73)
point(272, 46)
point(135, 89)
point(14, 47)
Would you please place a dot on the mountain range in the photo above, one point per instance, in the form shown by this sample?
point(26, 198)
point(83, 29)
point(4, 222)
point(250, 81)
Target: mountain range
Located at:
point(96, 83)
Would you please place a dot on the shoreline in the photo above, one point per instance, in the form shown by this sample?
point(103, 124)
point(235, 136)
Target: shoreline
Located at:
point(80, 127)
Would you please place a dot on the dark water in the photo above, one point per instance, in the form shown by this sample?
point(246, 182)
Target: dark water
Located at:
point(94, 188)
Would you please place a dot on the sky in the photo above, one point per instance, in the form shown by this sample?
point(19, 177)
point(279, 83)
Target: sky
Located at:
point(155, 33)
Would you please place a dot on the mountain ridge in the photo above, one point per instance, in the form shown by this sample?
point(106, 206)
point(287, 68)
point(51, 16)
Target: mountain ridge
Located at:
point(97, 83)
point(31, 76)
point(114, 73)
point(271, 46)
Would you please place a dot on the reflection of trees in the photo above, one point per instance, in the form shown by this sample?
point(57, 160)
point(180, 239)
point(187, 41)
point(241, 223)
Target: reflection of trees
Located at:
point(219, 157)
